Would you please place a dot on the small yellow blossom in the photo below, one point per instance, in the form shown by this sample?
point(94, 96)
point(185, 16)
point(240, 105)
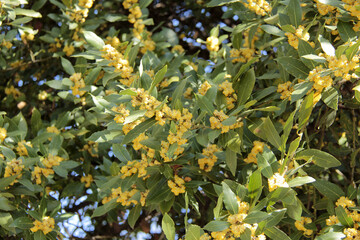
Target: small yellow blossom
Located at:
point(276, 181)
point(3, 134)
point(204, 87)
point(46, 225)
point(88, 179)
point(299, 224)
point(212, 44)
point(177, 186)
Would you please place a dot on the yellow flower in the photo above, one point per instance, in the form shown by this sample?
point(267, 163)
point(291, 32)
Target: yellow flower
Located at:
point(178, 48)
point(14, 167)
point(299, 224)
point(260, 7)
point(52, 160)
point(345, 202)
point(177, 186)
point(276, 181)
point(42, 95)
point(46, 226)
point(52, 129)
point(69, 50)
point(3, 133)
point(204, 87)
point(21, 149)
point(88, 179)
point(212, 44)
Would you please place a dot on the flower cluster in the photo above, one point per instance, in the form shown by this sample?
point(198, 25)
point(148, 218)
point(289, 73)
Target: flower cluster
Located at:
point(258, 148)
point(121, 113)
point(238, 226)
point(12, 91)
point(299, 224)
point(320, 82)
point(134, 17)
point(120, 64)
point(260, 7)
point(324, 8)
point(133, 167)
point(88, 179)
point(216, 122)
point(86, 3)
point(91, 148)
point(208, 162)
point(126, 198)
point(228, 91)
point(3, 134)
point(6, 44)
point(277, 180)
point(46, 225)
point(285, 89)
point(293, 38)
point(188, 93)
point(78, 15)
point(178, 49)
point(242, 55)
point(21, 149)
point(52, 160)
point(55, 45)
point(149, 44)
point(68, 50)
point(212, 44)
point(26, 37)
point(343, 66)
point(52, 129)
point(177, 186)
point(78, 83)
point(204, 87)
point(14, 167)
point(113, 41)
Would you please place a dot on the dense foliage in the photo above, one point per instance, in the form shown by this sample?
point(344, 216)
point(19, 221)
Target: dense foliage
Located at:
point(221, 119)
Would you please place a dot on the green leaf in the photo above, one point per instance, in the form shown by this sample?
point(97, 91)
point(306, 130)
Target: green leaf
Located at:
point(91, 77)
point(346, 31)
point(328, 189)
point(5, 182)
point(205, 104)
point(159, 76)
point(330, 97)
point(299, 181)
point(294, 66)
point(256, 217)
point(294, 12)
point(27, 12)
point(276, 234)
point(255, 184)
point(23, 223)
point(320, 158)
point(326, 46)
point(38, 4)
point(305, 110)
point(273, 30)
point(230, 200)
point(245, 86)
point(168, 226)
point(5, 204)
point(352, 51)
point(219, 206)
point(39, 235)
point(275, 217)
point(27, 183)
point(99, 211)
point(300, 90)
point(265, 166)
point(216, 226)
point(93, 39)
point(193, 232)
point(134, 215)
point(121, 153)
point(215, 3)
point(343, 217)
point(231, 160)
point(36, 123)
point(68, 67)
point(304, 49)
point(331, 236)
point(142, 127)
point(272, 136)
